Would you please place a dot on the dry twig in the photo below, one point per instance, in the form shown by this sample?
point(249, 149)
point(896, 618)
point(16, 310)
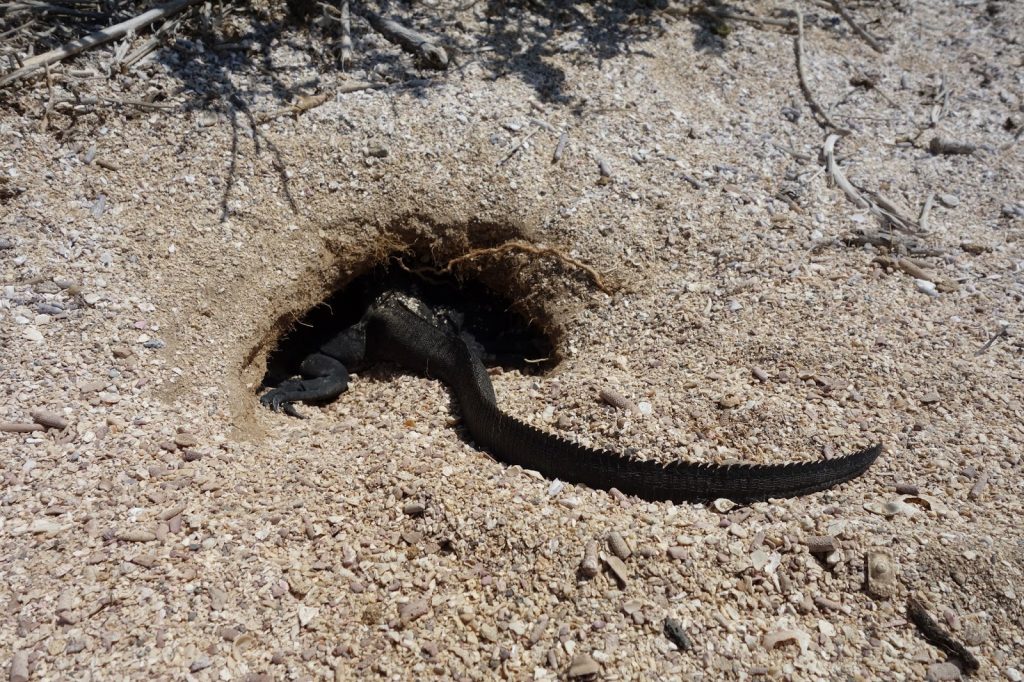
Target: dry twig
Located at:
point(100, 37)
point(882, 208)
point(560, 147)
point(512, 152)
point(411, 41)
point(798, 46)
point(1004, 330)
point(857, 28)
point(346, 36)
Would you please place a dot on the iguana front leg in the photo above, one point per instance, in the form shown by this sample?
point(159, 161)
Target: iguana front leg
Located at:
point(324, 378)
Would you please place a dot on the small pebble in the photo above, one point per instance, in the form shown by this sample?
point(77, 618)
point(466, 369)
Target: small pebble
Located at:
point(674, 631)
point(616, 399)
point(410, 611)
point(618, 569)
point(730, 401)
point(942, 672)
point(618, 545)
point(948, 200)
point(49, 419)
point(759, 374)
point(930, 398)
point(583, 666)
point(19, 667)
point(136, 536)
point(413, 508)
point(820, 544)
point(185, 440)
point(926, 287)
point(589, 566)
point(907, 489)
point(201, 663)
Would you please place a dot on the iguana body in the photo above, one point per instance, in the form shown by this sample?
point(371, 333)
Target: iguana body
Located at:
point(401, 328)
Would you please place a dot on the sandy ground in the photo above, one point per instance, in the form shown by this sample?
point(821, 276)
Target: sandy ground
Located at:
point(170, 527)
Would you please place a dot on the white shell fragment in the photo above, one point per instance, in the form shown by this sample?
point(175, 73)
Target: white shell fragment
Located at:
point(777, 638)
point(881, 575)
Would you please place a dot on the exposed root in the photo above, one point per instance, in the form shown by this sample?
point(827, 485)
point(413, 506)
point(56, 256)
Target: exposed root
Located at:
point(532, 249)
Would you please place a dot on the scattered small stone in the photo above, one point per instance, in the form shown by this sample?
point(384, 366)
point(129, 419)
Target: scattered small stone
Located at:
point(589, 566)
point(616, 399)
point(723, 505)
point(154, 343)
point(201, 663)
point(583, 667)
point(942, 672)
point(410, 611)
point(930, 398)
point(881, 574)
point(136, 536)
point(979, 486)
point(975, 248)
point(730, 401)
point(673, 629)
point(377, 151)
point(19, 667)
point(49, 419)
point(413, 508)
point(778, 638)
point(948, 200)
point(907, 489)
point(307, 614)
point(121, 352)
point(926, 287)
point(1014, 675)
point(826, 604)
point(759, 374)
point(538, 630)
point(618, 569)
point(190, 455)
point(618, 545)
point(820, 544)
point(185, 440)
point(679, 553)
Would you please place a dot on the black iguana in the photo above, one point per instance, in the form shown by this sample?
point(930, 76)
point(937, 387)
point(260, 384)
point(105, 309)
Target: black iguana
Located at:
point(401, 328)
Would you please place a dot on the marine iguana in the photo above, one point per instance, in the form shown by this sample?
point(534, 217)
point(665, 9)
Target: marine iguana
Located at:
point(400, 327)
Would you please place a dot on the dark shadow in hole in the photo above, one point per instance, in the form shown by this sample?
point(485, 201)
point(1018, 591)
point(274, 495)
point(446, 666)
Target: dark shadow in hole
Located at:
point(507, 339)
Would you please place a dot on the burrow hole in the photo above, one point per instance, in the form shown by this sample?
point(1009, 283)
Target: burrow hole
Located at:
point(490, 314)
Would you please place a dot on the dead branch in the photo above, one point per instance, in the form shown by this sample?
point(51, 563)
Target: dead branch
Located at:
point(411, 41)
point(560, 147)
point(519, 145)
point(881, 207)
point(346, 36)
point(798, 46)
point(100, 37)
point(857, 28)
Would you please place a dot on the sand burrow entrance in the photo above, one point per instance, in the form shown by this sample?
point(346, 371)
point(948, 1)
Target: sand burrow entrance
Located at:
point(506, 338)
point(513, 292)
